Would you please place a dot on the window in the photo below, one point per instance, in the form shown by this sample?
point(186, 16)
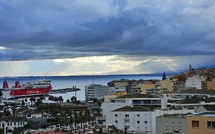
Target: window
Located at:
point(138, 122)
point(195, 123)
point(138, 115)
point(116, 121)
point(211, 124)
point(167, 130)
point(173, 124)
point(167, 124)
point(127, 115)
point(179, 124)
point(116, 115)
point(146, 122)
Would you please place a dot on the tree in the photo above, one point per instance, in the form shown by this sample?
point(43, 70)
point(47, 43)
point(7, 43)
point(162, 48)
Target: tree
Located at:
point(1, 130)
point(73, 99)
point(7, 113)
point(14, 111)
point(164, 76)
point(17, 131)
point(67, 101)
point(60, 98)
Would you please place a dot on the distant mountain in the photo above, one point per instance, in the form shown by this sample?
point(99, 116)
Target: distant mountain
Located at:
point(149, 67)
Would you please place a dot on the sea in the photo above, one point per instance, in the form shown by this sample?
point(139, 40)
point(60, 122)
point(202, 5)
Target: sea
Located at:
point(60, 82)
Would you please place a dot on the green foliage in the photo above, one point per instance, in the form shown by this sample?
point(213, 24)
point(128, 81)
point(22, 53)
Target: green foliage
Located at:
point(17, 131)
point(1, 130)
point(7, 113)
point(28, 132)
point(53, 98)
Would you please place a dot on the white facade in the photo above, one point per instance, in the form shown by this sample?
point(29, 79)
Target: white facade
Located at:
point(136, 121)
point(96, 91)
point(11, 123)
point(194, 82)
point(143, 122)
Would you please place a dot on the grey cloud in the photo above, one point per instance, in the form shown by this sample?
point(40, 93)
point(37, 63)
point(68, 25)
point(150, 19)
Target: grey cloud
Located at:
point(64, 29)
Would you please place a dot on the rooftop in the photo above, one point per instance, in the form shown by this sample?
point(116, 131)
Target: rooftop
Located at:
point(209, 107)
point(15, 119)
point(174, 115)
point(133, 109)
point(205, 114)
point(136, 96)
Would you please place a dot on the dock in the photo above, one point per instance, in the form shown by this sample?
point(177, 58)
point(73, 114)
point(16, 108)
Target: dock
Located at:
point(64, 90)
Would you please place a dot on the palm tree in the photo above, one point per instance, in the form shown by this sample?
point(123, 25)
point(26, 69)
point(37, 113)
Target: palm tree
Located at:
point(60, 98)
point(14, 111)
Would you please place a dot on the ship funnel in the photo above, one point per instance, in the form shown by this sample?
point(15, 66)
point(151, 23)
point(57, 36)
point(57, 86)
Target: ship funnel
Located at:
point(17, 84)
point(5, 84)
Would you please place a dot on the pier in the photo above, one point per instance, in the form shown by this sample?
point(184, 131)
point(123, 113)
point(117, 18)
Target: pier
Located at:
point(64, 90)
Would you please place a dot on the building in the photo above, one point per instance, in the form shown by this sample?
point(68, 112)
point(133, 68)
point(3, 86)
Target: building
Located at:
point(133, 119)
point(10, 123)
point(195, 82)
point(119, 83)
point(201, 123)
point(172, 123)
point(168, 84)
point(36, 117)
point(147, 85)
point(135, 87)
point(96, 91)
point(132, 110)
point(210, 85)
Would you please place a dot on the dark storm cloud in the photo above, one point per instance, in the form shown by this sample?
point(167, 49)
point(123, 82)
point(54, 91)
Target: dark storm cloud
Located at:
point(47, 29)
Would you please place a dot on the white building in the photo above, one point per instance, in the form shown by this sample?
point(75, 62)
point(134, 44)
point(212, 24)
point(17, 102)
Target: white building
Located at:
point(9, 123)
point(137, 119)
point(130, 113)
point(96, 91)
point(194, 82)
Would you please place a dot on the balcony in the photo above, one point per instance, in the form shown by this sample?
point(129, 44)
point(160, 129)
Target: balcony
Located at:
point(127, 124)
point(127, 119)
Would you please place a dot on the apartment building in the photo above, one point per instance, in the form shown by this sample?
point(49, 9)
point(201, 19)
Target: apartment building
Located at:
point(171, 123)
point(133, 119)
point(201, 123)
point(10, 123)
point(168, 84)
point(96, 91)
point(119, 83)
point(195, 82)
point(147, 85)
point(130, 111)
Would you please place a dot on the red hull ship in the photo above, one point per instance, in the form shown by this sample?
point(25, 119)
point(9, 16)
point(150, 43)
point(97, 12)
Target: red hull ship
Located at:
point(40, 87)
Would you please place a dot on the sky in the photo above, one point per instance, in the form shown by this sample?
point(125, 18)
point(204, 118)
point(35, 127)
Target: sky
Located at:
point(90, 37)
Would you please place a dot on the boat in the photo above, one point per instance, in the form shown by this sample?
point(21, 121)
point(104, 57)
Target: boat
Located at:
point(37, 88)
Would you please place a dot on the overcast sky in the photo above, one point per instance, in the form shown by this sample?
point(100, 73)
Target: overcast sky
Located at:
point(77, 37)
